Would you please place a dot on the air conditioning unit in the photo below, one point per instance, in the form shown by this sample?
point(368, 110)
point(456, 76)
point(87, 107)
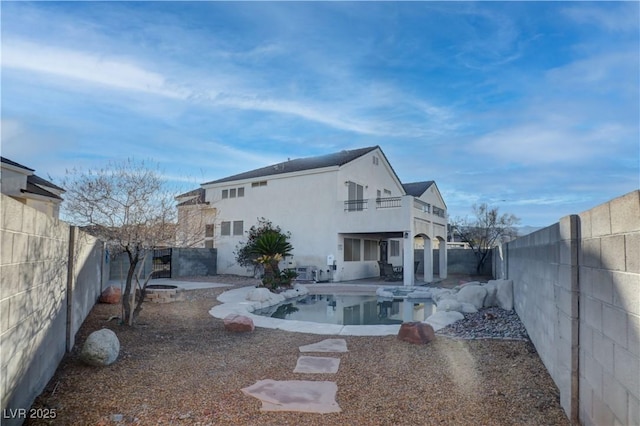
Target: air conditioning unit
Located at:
point(305, 273)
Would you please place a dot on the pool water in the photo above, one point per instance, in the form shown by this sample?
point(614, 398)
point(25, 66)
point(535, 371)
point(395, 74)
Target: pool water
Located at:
point(347, 309)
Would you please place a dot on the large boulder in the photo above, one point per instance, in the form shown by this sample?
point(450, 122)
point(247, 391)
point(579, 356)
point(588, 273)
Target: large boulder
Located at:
point(473, 294)
point(101, 348)
point(442, 319)
point(238, 323)
point(264, 297)
point(111, 295)
point(416, 332)
point(491, 297)
point(504, 294)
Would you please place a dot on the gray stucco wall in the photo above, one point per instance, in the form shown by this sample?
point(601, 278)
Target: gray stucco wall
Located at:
point(577, 291)
point(42, 303)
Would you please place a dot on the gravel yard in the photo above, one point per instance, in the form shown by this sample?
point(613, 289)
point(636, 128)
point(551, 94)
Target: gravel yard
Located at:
point(178, 366)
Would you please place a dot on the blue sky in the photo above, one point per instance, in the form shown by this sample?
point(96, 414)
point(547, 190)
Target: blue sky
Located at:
point(532, 107)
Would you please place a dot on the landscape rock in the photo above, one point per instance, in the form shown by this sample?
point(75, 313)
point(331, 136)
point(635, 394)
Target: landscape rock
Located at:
point(111, 295)
point(438, 294)
point(264, 296)
point(418, 333)
point(473, 294)
point(504, 294)
point(238, 323)
point(490, 299)
point(442, 319)
point(468, 308)
point(447, 305)
point(101, 348)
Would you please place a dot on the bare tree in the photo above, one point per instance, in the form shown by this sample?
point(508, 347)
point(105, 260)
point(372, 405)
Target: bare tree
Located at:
point(127, 205)
point(485, 230)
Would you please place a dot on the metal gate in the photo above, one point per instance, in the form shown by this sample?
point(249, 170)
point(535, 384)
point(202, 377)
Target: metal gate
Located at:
point(162, 263)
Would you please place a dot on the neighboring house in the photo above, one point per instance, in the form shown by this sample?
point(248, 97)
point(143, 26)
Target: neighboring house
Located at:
point(345, 211)
point(20, 183)
point(196, 220)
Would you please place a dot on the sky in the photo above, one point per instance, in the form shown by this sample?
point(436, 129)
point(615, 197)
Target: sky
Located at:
point(531, 107)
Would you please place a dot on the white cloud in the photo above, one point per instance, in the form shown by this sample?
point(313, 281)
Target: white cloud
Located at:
point(117, 73)
point(615, 16)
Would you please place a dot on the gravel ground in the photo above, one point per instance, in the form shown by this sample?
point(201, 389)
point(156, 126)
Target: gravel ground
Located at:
point(178, 366)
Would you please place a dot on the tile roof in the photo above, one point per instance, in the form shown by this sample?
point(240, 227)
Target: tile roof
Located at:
point(300, 164)
point(417, 188)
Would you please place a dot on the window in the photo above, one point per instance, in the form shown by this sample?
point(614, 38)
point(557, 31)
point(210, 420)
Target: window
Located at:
point(355, 197)
point(394, 248)
point(257, 184)
point(208, 231)
point(225, 228)
point(378, 193)
point(351, 250)
point(208, 243)
point(387, 193)
point(375, 160)
point(370, 250)
point(238, 227)
point(233, 192)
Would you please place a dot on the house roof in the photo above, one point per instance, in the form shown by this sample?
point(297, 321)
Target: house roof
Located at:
point(196, 197)
point(35, 189)
point(416, 189)
point(300, 164)
point(37, 180)
point(13, 163)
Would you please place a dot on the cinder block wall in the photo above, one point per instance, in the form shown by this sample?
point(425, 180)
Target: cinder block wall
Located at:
point(33, 301)
point(35, 291)
point(577, 291)
point(187, 262)
point(609, 273)
point(459, 261)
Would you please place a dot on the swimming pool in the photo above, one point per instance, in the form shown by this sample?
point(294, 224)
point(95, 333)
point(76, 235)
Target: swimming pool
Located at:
point(350, 309)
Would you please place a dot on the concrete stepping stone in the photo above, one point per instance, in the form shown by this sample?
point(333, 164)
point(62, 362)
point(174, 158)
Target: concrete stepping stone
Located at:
point(316, 364)
point(295, 395)
point(326, 345)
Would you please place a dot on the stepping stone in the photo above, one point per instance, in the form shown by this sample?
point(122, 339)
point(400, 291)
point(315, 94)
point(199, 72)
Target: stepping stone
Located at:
point(327, 345)
point(317, 364)
point(295, 395)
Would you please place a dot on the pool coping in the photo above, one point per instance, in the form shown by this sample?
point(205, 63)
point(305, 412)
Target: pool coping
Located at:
point(234, 302)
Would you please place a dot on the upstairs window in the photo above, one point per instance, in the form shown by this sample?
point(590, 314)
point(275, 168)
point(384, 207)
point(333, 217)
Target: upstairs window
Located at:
point(208, 231)
point(225, 193)
point(355, 197)
point(258, 184)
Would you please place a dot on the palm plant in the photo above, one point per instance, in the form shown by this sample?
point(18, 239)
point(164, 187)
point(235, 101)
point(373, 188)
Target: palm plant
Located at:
point(270, 248)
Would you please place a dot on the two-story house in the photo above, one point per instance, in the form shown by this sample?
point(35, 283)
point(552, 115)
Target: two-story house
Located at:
point(346, 212)
point(22, 184)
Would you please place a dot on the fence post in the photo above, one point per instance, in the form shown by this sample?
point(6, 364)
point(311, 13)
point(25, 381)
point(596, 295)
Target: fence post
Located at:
point(70, 285)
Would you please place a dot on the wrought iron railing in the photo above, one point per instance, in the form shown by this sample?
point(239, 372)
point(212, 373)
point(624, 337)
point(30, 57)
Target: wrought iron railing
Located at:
point(389, 202)
point(355, 205)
